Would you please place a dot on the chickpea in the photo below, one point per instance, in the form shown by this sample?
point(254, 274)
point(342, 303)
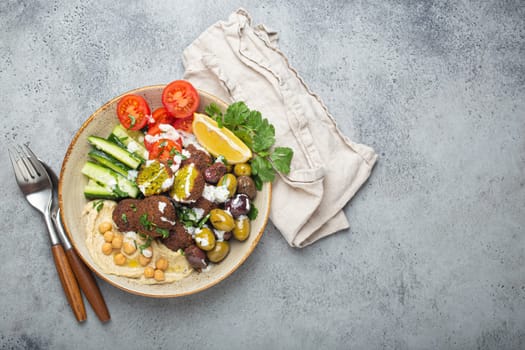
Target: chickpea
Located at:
point(129, 248)
point(105, 226)
point(149, 272)
point(107, 248)
point(143, 261)
point(108, 236)
point(158, 275)
point(119, 259)
point(161, 264)
point(117, 241)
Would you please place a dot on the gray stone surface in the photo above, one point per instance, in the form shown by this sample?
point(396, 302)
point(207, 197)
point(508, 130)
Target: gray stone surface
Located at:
point(435, 256)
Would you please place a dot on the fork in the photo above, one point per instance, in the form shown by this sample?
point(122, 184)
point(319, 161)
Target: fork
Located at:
point(37, 187)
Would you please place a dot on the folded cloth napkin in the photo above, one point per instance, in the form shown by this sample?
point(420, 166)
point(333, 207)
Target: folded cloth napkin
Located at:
point(239, 62)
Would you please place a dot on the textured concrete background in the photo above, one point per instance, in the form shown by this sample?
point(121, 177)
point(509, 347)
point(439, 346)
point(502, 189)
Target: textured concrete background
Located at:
point(435, 257)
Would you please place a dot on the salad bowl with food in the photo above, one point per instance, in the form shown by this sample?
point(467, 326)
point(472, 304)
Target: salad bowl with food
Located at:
point(165, 190)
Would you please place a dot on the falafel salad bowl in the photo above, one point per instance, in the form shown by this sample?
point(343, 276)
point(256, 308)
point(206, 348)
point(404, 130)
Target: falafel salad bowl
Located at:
point(165, 190)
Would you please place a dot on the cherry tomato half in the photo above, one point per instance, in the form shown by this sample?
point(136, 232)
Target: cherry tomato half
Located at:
point(183, 124)
point(133, 112)
point(164, 149)
point(153, 131)
point(180, 98)
point(160, 116)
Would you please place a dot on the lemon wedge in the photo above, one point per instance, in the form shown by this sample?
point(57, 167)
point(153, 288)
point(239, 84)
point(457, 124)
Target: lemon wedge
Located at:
point(219, 141)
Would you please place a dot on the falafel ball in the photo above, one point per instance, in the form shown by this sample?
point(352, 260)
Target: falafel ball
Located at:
point(126, 215)
point(201, 159)
point(179, 238)
point(157, 215)
point(188, 185)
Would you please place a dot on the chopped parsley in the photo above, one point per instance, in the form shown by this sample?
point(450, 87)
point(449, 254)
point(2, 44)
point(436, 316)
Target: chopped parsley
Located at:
point(98, 205)
point(133, 207)
point(148, 225)
point(164, 232)
point(124, 218)
point(146, 244)
point(133, 121)
point(252, 214)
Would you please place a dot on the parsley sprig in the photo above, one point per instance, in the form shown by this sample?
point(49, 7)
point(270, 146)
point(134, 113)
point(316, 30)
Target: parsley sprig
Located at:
point(259, 135)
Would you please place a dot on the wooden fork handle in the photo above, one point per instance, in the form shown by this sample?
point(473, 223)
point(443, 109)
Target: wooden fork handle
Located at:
point(89, 285)
point(69, 283)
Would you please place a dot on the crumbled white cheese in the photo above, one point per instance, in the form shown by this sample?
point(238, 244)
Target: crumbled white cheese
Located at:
point(130, 235)
point(199, 213)
point(132, 146)
point(166, 132)
point(190, 230)
point(148, 253)
point(162, 206)
point(219, 234)
point(185, 153)
point(216, 194)
point(132, 175)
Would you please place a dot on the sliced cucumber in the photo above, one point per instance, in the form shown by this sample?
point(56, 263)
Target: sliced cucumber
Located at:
point(113, 138)
point(109, 162)
point(110, 179)
point(93, 191)
point(115, 151)
point(131, 139)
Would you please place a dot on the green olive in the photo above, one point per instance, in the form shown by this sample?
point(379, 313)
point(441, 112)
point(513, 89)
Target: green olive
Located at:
point(221, 220)
point(242, 169)
point(219, 252)
point(205, 239)
point(230, 181)
point(241, 231)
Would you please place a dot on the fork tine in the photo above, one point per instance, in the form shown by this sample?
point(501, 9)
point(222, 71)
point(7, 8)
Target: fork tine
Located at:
point(21, 176)
point(33, 159)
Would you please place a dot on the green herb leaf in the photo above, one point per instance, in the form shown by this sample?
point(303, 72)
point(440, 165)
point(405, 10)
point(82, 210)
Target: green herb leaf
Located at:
point(262, 168)
point(133, 207)
point(124, 218)
point(164, 232)
point(281, 158)
point(98, 205)
point(213, 110)
point(252, 214)
point(148, 225)
point(146, 244)
point(133, 120)
point(203, 221)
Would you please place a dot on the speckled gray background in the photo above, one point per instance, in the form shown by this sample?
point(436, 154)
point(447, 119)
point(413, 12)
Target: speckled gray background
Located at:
point(435, 256)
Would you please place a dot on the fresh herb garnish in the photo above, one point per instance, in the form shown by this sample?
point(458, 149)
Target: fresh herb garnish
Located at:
point(133, 120)
point(252, 214)
point(202, 221)
point(133, 207)
point(259, 135)
point(165, 233)
point(148, 225)
point(146, 244)
point(98, 205)
point(188, 217)
point(124, 218)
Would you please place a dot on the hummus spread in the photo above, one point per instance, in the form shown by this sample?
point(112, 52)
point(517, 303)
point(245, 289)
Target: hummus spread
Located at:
point(94, 214)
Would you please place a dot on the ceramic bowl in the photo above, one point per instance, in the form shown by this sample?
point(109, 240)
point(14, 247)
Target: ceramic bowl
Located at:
point(72, 201)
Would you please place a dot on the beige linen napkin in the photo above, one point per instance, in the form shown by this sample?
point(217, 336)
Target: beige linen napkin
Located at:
point(239, 62)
